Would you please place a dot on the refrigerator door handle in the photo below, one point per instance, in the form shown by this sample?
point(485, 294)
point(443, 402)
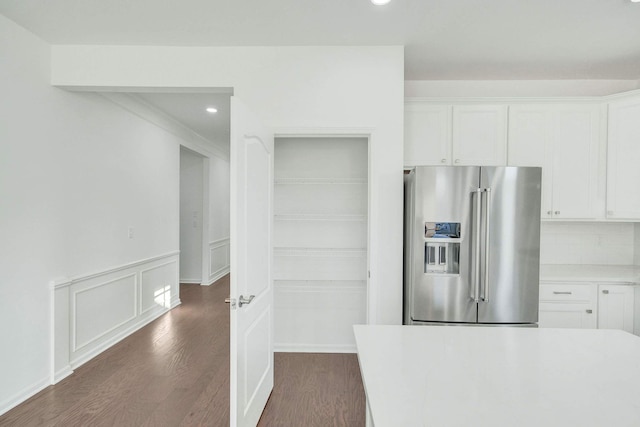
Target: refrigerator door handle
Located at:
point(477, 243)
point(487, 233)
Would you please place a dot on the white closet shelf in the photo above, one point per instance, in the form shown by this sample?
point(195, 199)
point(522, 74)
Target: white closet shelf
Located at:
point(319, 181)
point(321, 252)
point(319, 217)
point(319, 285)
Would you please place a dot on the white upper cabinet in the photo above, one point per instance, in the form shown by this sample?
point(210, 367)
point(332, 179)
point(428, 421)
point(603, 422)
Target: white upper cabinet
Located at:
point(479, 135)
point(455, 135)
point(565, 141)
point(623, 159)
point(427, 133)
point(530, 145)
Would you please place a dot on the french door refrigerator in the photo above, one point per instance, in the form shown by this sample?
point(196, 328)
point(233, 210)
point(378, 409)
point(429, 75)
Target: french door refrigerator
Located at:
point(472, 245)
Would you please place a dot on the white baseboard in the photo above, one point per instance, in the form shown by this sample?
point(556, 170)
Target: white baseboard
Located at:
point(23, 395)
point(61, 374)
point(314, 348)
point(174, 303)
point(191, 281)
point(217, 276)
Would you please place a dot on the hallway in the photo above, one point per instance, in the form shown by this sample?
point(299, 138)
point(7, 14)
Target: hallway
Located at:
point(175, 372)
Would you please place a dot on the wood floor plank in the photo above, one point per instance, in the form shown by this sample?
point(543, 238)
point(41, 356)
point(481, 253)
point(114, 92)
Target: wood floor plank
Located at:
point(175, 372)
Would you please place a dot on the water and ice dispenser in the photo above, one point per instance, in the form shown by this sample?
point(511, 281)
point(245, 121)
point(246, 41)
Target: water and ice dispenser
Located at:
point(442, 247)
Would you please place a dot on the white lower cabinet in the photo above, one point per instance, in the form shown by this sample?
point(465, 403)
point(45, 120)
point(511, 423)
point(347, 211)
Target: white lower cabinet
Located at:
point(615, 307)
point(574, 316)
point(586, 305)
point(564, 305)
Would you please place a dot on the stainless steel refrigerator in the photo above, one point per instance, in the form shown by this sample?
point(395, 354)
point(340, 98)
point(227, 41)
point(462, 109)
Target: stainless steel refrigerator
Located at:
point(472, 245)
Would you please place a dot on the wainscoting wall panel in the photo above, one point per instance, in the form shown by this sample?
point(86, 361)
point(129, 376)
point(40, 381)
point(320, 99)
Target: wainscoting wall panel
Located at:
point(155, 292)
point(98, 309)
point(93, 312)
point(218, 259)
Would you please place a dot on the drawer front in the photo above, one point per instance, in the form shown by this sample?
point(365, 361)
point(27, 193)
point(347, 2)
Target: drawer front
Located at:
point(566, 293)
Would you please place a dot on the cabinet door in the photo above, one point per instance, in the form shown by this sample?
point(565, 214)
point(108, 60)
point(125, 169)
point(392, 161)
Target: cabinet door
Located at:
point(576, 141)
point(427, 134)
point(529, 146)
point(623, 160)
point(615, 307)
point(479, 135)
point(559, 315)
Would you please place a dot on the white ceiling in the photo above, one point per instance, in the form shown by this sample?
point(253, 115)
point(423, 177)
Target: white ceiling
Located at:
point(444, 39)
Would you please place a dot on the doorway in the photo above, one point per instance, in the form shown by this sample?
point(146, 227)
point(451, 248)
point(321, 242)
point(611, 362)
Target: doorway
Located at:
point(191, 216)
point(320, 242)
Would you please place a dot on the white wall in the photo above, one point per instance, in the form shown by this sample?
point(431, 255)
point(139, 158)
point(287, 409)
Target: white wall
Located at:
point(292, 88)
point(219, 202)
point(219, 186)
point(599, 243)
point(519, 88)
point(76, 172)
point(191, 211)
point(636, 246)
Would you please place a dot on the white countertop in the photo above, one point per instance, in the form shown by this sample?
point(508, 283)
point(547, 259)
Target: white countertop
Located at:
point(479, 376)
point(590, 273)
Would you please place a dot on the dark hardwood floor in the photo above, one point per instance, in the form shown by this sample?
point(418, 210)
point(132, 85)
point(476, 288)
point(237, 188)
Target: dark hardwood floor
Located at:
point(175, 372)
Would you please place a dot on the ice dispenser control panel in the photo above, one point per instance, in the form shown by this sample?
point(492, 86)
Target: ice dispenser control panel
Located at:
point(442, 247)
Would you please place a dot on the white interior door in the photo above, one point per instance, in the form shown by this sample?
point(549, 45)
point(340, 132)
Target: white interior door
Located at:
point(251, 265)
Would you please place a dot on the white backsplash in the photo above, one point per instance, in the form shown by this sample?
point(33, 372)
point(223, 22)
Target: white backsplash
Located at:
point(591, 243)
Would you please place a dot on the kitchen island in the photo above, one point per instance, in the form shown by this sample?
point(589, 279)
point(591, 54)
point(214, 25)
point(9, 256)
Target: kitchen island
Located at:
point(501, 376)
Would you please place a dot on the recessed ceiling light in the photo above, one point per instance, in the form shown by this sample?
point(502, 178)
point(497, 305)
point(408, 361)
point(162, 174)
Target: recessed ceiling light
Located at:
point(212, 110)
point(383, 2)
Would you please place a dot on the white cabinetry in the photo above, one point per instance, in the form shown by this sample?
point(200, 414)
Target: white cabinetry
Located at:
point(615, 307)
point(564, 305)
point(623, 159)
point(587, 305)
point(565, 141)
point(427, 134)
point(455, 134)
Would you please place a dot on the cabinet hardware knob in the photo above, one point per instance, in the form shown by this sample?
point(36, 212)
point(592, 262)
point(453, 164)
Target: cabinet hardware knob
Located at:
point(557, 212)
point(457, 160)
point(606, 291)
point(549, 213)
point(589, 311)
point(443, 161)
